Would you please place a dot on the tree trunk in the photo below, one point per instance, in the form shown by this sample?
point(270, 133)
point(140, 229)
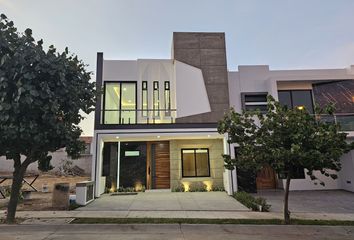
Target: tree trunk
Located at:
point(286, 200)
point(18, 175)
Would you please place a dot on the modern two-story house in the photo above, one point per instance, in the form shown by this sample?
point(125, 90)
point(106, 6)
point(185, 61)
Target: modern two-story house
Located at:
point(156, 119)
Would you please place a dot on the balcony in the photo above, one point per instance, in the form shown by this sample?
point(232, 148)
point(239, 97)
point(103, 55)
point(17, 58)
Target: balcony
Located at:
point(138, 116)
point(345, 120)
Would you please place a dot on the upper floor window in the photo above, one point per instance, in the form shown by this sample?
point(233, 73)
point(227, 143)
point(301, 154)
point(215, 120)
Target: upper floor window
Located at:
point(167, 99)
point(119, 103)
point(296, 99)
point(145, 97)
point(156, 99)
point(254, 101)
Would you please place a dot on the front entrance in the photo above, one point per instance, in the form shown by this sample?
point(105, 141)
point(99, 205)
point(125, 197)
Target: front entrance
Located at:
point(158, 165)
point(141, 164)
point(266, 178)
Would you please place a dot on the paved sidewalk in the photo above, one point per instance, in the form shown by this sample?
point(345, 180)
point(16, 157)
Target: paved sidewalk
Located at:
point(178, 214)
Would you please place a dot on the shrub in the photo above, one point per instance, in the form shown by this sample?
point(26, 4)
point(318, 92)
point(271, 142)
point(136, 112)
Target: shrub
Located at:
point(197, 187)
point(217, 188)
point(256, 204)
point(179, 188)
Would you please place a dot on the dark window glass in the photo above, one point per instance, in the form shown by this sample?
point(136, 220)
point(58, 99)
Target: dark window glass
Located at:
point(256, 98)
point(195, 163)
point(302, 98)
point(144, 99)
point(156, 99)
point(285, 98)
point(297, 98)
point(167, 99)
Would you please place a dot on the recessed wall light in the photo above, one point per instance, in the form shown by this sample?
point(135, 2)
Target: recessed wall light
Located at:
point(158, 136)
point(117, 137)
point(208, 136)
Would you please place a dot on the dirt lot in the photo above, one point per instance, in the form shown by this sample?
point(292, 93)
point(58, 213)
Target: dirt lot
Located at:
point(40, 200)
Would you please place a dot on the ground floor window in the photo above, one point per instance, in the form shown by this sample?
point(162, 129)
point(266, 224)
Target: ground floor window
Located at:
point(195, 162)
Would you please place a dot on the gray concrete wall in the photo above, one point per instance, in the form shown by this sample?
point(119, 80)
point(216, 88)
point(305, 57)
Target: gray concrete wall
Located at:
point(207, 52)
point(84, 162)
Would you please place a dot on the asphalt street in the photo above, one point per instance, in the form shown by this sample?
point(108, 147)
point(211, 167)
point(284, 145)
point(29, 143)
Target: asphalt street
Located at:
point(173, 231)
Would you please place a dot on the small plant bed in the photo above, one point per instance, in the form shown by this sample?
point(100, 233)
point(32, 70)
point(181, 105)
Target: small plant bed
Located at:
point(208, 221)
point(253, 203)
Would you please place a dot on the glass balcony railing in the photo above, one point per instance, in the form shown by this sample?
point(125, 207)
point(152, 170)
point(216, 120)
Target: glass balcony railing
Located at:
point(138, 116)
point(345, 120)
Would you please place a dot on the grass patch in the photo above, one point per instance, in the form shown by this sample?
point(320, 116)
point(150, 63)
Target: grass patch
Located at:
point(208, 221)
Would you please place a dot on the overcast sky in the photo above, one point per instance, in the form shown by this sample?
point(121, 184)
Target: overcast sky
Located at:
point(285, 34)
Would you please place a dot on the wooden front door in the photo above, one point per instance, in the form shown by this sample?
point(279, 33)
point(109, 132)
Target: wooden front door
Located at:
point(158, 165)
point(266, 178)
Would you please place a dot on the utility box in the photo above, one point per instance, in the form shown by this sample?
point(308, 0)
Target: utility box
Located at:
point(60, 198)
point(84, 192)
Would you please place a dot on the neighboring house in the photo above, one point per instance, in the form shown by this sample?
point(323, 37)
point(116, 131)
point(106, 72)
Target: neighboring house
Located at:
point(155, 122)
point(59, 157)
point(249, 86)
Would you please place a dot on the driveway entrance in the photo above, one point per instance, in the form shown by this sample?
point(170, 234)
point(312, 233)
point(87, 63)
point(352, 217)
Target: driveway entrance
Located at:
point(166, 201)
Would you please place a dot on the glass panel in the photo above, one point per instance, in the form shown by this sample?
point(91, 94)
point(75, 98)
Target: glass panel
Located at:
point(285, 98)
point(128, 103)
point(167, 99)
point(256, 98)
point(302, 98)
point(346, 122)
point(156, 99)
point(112, 99)
point(144, 99)
point(188, 163)
point(202, 163)
point(262, 108)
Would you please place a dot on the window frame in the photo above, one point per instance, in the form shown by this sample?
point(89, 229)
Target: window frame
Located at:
point(156, 111)
point(253, 103)
point(144, 112)
point(120, 101)
point(167, 90)
point(195, 162)
point(299, 90)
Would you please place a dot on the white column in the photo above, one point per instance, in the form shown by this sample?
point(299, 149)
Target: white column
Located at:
point(118, 164)
point(98, 159)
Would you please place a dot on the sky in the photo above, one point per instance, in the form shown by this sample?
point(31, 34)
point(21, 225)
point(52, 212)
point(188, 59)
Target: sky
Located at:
point(284, 34)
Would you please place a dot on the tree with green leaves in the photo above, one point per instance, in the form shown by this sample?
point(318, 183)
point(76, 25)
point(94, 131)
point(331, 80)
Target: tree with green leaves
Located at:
point(43, 94)
point(286, 140)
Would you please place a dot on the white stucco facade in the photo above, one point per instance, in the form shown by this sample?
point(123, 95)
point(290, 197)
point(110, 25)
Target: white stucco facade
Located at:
point(260, 79)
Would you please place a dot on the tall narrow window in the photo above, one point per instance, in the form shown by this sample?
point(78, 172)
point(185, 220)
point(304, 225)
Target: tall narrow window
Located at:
point(156, 100)
point(144, 96)
point(167, 99)
point(111, 103)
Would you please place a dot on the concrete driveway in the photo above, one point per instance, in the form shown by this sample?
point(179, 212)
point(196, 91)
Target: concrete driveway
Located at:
point(166, 201)
point(326, 201)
